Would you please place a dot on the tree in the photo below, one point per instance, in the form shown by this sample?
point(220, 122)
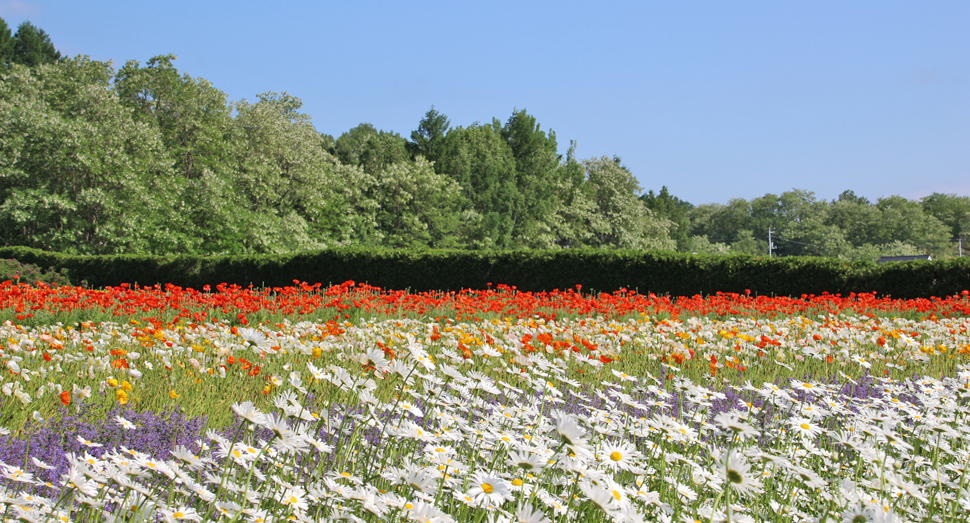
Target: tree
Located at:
point(283, 175)
point(858, 220)
point(746, 243)
point(538, 178)
point(621, 219)
point(418, 208)
point(6, 44)
point(77, 173)
point(872, 252)
point(810, 236)
point(193, 117)
point(782, 213)
point(904, 220)
point(194, 120)
point(535, 152)
point(797, 220)
point(952, 210)
point(349, 146)
point(701, 245)
point(577, 210)
point(428, 139)
point(666, 205)
point(33, 47)
point(850, 196)
point(720, 222)
point(482, 164)
point(369, 148)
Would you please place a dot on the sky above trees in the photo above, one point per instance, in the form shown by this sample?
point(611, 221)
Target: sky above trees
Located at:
point(715, 101)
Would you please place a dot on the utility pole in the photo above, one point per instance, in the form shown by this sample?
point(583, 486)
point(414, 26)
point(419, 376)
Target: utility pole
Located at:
point(769, 242)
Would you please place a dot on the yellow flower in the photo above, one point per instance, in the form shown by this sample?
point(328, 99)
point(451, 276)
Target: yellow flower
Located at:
point(122, 396)
point(112, 382)
point(125, 385)
point(172, 394)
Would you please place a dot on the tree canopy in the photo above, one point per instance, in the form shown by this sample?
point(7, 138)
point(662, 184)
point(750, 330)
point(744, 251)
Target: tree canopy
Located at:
point(146, 159)
point(29, 46)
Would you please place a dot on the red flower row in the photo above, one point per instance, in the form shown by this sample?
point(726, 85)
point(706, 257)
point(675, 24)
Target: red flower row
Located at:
point(175, 302)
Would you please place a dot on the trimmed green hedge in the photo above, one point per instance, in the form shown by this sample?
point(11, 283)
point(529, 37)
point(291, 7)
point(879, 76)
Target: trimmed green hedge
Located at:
point(596, 270)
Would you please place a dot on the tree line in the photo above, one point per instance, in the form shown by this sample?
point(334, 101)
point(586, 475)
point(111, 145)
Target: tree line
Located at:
point(849, 227)
point(144, 159)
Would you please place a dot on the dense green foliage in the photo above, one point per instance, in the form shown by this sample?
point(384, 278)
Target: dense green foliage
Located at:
point(849, 227)
point(13, 270)
point(145, 160)
point(29, 46)
point(671, 273)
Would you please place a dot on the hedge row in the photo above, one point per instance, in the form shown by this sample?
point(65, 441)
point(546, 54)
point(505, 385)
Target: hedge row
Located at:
point(675, 274)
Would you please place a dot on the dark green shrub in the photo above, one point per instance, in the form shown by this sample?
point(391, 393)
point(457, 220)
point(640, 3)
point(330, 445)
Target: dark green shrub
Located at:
point(677, 274)
point(17, 272)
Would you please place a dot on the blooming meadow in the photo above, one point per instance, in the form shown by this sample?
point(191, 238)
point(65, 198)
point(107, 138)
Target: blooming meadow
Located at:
point(351, 403)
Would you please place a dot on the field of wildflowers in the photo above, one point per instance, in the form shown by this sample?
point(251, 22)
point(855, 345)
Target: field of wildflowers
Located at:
point(352, 403)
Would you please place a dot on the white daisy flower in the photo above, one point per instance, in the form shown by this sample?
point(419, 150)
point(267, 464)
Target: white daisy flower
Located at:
point(736, 473)
point(487, 489)
point(621, 455)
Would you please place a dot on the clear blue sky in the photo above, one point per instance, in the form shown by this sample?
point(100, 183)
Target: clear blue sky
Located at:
point(716, 99)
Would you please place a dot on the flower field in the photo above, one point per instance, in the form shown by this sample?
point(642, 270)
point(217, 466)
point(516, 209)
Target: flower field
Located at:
point(353, 403)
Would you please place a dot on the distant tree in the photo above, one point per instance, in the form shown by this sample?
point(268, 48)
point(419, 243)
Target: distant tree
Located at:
point(328, 143)
point(32, 46)
point(348, 146)
point(782, 213)
point(418, 208)
point(482, 164)
point(720, 222)
point(952, 210)
point(6, 44)
point(194, 117)
point(858, 220)
point(872, 252)
point(577, 211)
point(622, 220)
point(369, 148)
point(701, 245)
point(811, 236)
point(428, 139)
point(284, 177)
point(797, 220)
point(668, 206)
point(850, 196)
point(535, 151)
point(746, 243)
point(538, 178)
point(904, 220)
